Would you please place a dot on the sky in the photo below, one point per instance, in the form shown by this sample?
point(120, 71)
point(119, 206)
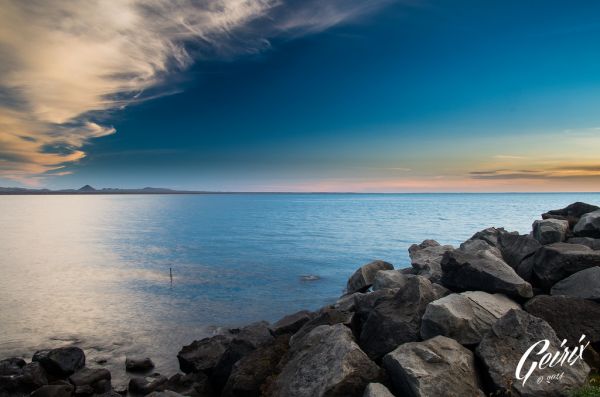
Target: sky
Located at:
point(302, 95)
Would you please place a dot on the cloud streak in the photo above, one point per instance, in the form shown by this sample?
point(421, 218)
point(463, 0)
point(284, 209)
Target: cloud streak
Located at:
point(66, 64)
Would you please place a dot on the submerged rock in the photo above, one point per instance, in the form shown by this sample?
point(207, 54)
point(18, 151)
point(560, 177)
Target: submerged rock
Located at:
point(550, 231)
point(436, 367)
point(465, 317)
point(557, 261)
point(363, 278)
point(138, 364)
point(502, 348)
point(482, 271)
point(396, 319)
point(327, 362)
point(61, 362)
point(584, 284)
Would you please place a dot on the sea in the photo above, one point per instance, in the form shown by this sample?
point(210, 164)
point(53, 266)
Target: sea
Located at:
point(143, 275)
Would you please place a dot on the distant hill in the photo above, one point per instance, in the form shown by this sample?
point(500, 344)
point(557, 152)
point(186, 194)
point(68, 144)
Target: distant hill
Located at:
point(87, 189)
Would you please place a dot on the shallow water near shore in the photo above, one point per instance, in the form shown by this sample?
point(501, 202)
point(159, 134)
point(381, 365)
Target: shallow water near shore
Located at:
point(94, 270)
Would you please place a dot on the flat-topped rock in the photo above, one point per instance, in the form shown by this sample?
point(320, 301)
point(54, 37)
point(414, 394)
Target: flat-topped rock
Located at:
point(325, 316)
point(584, 284)
point(475, 246)
point(554, 262)
point(390, 279)
point(425, 258)
point(363, 278)
point(61, 362)
point(327, 362)
point(292, 323)
point(593, 243)
point(548, 231)
point(465, 317)
point(483, 271)
point(436, 367)
point(588, 225)
point(572, 213)
point(397, 319)
point(503, 347)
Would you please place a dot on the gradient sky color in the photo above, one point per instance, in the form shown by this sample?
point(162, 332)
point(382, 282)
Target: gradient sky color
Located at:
point(365, 96)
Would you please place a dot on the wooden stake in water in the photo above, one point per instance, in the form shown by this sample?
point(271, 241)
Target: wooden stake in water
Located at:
point(171, 274)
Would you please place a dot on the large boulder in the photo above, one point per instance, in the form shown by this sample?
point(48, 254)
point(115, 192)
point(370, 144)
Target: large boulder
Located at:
point(292, 323)
point(425, 258)
point(204, 355)
point(96, 379)
point(465, 317)
point(193, 384)
point(325, 316)
point(510, 339)
point(365, 303)
point(492, 236)
point(584, 284)
point(548, 231)
point(17, 377)
point(377, 390)
point(483, 271)
point(557, 261)
point(571, 213)
point(327, 362)
point(588, 225)
point(569, 317)
point(148, 384)
point(475, 246)
point(515, 248)
point(250, 373)
point(593, 243)
point(61, 362)
point(397, 319)
point(436, 367)
point(363, 278)
point(61, 390)
point(390, 279)
point(138, 364)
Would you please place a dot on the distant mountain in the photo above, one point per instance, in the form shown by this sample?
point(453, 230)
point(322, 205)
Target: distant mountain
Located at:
point(87, 189)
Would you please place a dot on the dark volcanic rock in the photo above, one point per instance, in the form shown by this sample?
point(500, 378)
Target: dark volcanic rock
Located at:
point(363, 278)
point(250, 373)
point(292, 323)
point(425, 258)
point(148, 384)
point(54, 391)
point(365, 303)
point(397, 319)
point(588, 225)
point(483, 271)
point(12, 366)
point(557, 261)
point(138, 364)
point(569, 317)
point(510, 338)
point(327, 362)
point(377, 390)
point(548, 231)
point(326, 316)
point(16, 379)
point(584, 284)
point(193, 384)
point(437, 367)
point(571, 213)
point(476, 246)
point(465, 317)
point(593, 243)
point(234, 352)
point(390, 279)
point(61, 362)
point(92, 378)
point(515, 248)
point(492, 236)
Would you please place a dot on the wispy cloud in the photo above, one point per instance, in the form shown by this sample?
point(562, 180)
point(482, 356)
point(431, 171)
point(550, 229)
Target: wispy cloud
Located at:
point(567, 171)
point(64, 64)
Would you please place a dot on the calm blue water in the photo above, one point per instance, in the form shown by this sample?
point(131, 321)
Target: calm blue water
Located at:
point(94, 270)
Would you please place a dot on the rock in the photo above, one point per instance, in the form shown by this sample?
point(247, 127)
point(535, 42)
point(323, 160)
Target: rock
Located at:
point(327, 362)
point(515, 248)
point(250, 373)
point(492, 236)
point(569, 317)
point(397, 319)
point(550, 231)
point(189, 384)
point(377, 390)
point(12, 366)
point(292, 323)
point(483, 271)
point(584, 284)
point(425, 259)
point(364, 304)
point(501, 350)
point(571, 213)
point(436, 367)
point(234, 352)
point(557, 261)
point(61, 362)
point(593, 243)
point(326, 316)
point(148, 384)
point(92, 378)
point(205, 354)
point(138, 364)
point(110, 393)
point(166, 393)
point(15, 379)
point(439, 291)
point(465, 317)
point(588, 225)
point(53, 391)
point(346, 302)
point(389, 279)
point(476, 246)
point(363, 278)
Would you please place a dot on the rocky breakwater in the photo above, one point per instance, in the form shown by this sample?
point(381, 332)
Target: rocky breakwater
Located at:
point(502, 314)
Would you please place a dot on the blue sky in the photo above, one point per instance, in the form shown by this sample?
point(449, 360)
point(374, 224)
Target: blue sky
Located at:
point(355, 96)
